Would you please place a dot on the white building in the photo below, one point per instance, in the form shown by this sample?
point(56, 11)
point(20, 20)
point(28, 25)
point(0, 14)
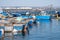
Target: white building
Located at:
point(25, 8)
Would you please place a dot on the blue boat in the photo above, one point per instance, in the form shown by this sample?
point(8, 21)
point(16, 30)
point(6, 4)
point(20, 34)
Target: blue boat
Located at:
point(43, 15)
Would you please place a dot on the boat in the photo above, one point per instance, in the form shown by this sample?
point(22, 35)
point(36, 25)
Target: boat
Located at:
point(17, 28)
point(43, 15)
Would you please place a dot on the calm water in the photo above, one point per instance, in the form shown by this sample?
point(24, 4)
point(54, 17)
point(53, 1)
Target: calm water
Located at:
point(44, 30)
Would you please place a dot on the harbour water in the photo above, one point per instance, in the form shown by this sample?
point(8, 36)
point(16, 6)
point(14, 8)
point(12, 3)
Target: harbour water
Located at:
point(44, 30)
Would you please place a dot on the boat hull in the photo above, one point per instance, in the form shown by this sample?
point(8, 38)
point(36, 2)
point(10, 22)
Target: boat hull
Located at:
point(43, 17)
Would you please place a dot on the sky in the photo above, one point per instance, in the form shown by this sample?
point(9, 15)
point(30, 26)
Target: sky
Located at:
point(37, 3)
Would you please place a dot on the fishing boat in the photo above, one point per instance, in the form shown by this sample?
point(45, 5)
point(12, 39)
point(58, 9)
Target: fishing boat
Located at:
point(43, 15)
